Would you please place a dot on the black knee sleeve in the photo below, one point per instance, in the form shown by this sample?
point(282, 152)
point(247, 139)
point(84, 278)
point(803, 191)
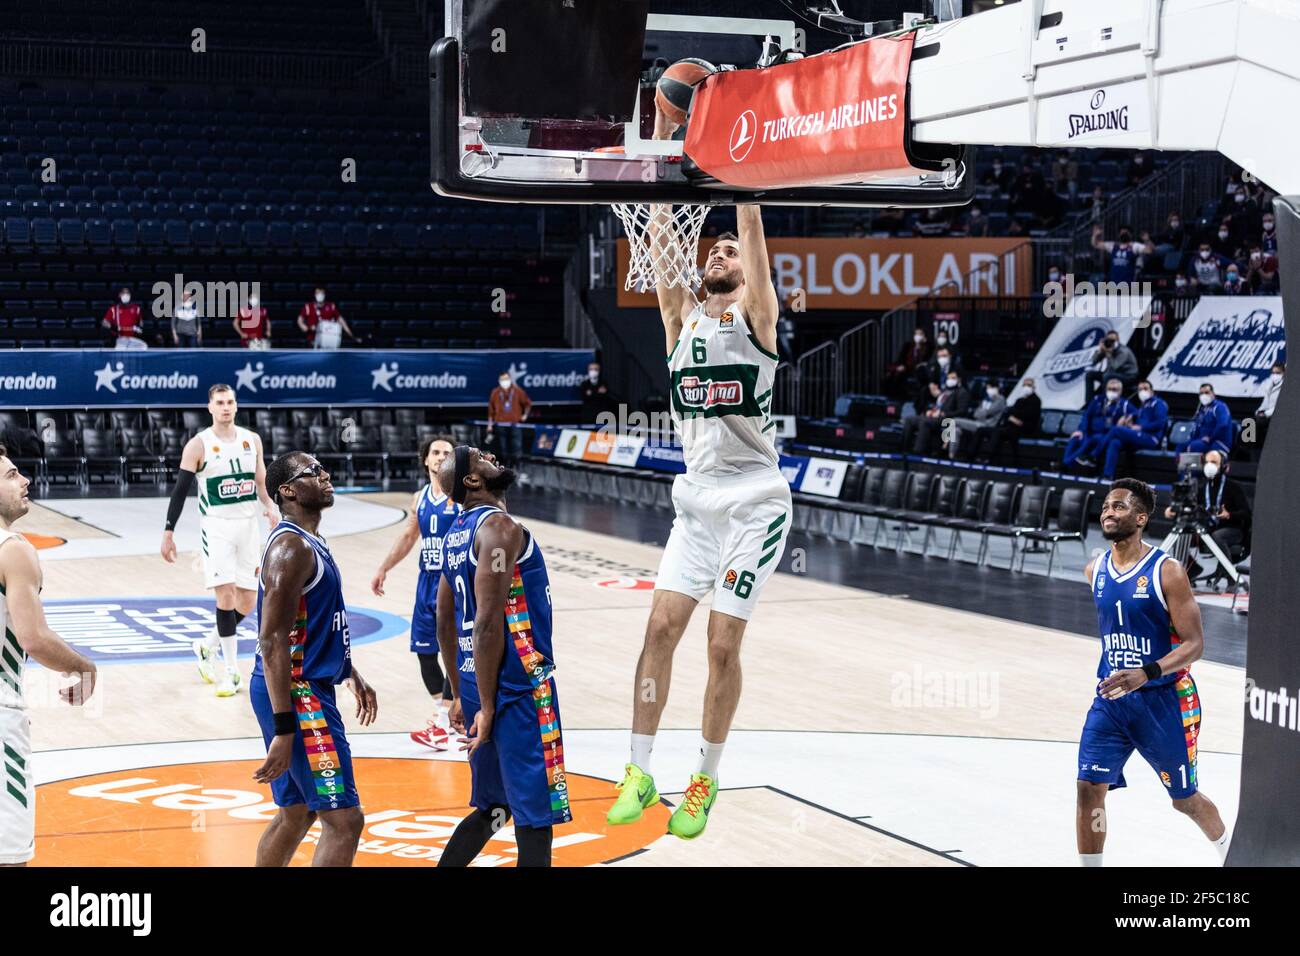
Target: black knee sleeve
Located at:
point(431, 671)
point(227, 621)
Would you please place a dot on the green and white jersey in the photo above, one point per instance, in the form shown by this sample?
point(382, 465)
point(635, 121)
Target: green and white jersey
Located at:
point(12, 656)
point(722, 396)
point(227, 477)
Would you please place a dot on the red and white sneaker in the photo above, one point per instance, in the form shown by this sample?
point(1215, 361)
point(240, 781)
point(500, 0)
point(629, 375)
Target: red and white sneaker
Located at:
point(433, 736)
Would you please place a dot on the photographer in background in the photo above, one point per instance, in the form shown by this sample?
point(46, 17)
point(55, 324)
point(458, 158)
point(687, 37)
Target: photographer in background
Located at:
point(1111, 360)
point(1225, 508)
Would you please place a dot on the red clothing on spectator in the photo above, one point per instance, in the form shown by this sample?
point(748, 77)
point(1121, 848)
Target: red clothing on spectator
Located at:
point(314, 313)
point(508, 406)
point(124, 320)
point(252, 324)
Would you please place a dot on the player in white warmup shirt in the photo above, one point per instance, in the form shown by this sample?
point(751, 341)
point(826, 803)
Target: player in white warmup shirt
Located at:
point(24, 633)
point(226, 461)
point(733, 504)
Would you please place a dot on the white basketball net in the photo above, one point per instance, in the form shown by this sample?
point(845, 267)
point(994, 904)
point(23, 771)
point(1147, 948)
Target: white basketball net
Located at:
point(664, 242)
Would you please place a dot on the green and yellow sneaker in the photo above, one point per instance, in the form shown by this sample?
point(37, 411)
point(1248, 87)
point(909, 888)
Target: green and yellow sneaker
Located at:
point(637, 792)
point(689, 818)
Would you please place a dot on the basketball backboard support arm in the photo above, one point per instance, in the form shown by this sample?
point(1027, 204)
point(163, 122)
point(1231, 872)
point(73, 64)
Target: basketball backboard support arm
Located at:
point(1219, 75)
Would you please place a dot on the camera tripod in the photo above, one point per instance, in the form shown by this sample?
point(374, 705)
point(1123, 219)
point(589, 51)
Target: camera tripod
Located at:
point(1178, 544)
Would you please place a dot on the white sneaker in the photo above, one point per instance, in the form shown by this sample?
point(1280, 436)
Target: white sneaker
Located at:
point(229, 685)
point(206, 659)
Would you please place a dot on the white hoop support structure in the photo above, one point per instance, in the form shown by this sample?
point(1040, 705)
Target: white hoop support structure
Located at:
point(664, 242)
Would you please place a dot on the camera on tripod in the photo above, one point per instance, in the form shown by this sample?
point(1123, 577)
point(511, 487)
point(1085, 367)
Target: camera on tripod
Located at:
point(1188, 510)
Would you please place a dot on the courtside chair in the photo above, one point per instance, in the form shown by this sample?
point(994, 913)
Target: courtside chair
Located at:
point(1071, 525)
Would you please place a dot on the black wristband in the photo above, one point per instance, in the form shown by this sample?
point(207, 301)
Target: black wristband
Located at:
point(1152, 670)
point(284, 723)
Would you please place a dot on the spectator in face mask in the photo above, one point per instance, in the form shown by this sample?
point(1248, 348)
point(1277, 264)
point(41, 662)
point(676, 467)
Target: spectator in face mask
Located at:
point(1268, 238)
point(1224, 243)
point(321, 310)
point(254, 325)
point(1123, 255)
point(986, 415)
point(1175, 237)
point(1144, 429)
point(187, 323)
point(1241, 212)
point(977, 224)
point(904, 375)
point(595, 394)
point(938, 369)
point(1225, 502)
point(1206, 270)
point(1268, 406)
point(123, 318)
point(919, 431)
point(1212, 427)
point(1112, 360)
point(1103, 413)
point(509, 405)
point(1022, 420)
point(1001, 175)
point(1233, 283)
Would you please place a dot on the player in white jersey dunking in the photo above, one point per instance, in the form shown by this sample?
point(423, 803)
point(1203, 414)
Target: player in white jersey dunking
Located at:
point(733, 504)
point(226, 461)
point(24, 633)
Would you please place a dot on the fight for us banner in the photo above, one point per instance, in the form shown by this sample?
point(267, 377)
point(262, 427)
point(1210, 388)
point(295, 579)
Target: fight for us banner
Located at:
point(1230, 342)
point(1060, 367)
point(95, 378)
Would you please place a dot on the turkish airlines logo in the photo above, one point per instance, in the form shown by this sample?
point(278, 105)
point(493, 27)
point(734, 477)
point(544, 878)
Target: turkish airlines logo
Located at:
point(743, 136)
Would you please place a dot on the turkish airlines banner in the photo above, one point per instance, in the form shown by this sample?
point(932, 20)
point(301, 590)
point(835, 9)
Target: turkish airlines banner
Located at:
point(877, 274)
point(833, 118)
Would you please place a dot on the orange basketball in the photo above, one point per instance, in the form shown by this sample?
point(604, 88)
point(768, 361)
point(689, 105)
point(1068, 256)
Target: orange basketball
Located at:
point(675, 88)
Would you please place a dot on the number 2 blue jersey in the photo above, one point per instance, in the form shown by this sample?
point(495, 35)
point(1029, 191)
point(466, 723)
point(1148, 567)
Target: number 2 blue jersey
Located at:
point(1133, 615)
point(319, 647)
point(527, 661)
point(434, 514)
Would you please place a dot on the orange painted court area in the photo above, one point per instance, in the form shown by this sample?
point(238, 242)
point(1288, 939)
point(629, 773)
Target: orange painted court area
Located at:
point(212, 814)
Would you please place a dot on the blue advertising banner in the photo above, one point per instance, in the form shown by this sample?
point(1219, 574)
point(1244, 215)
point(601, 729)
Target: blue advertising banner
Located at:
point(96, 378)
point(1230, 342)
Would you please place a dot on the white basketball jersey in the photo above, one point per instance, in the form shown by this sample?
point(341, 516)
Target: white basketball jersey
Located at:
point(228, 476)
point(12, 656)
point(722, 396)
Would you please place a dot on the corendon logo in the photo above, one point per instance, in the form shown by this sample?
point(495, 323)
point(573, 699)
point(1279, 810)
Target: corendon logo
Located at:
point(236, 488)
point(743, 135)
point(708, 393)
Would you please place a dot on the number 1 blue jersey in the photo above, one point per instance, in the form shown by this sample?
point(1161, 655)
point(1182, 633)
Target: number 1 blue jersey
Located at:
point(527, 662)
point(1133, 616)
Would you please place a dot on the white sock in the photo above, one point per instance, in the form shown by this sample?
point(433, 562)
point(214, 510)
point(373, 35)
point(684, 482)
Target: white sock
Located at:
point(230, 653)
point(710, 757)
point(1221, 845)
point(440, 709)
point(642, 745)
point(1090, 859)
point(213, 640)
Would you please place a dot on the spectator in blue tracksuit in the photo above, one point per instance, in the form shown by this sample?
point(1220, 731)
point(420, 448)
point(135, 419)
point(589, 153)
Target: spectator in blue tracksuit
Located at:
point(1213, 426)
point(1102, 414)
point(1146, 429)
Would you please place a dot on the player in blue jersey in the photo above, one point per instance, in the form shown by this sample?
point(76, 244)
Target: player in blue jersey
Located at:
point(302, 653)
point(494, 628)
point(1146, 700)
point(431, 513)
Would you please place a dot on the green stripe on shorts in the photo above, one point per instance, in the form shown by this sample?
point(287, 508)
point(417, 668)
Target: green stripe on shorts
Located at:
point(778, 522)
point(16, 793)
point(14, 756)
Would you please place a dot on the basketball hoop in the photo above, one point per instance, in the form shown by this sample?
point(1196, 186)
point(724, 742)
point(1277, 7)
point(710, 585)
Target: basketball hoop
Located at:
point(664, 242)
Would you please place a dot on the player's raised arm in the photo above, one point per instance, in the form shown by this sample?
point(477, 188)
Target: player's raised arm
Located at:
point(1184, 615)
point(497, 546)
point(759, 303)
point(674, 301)
point(20, 572)
point(290, 564)
point(401, 547)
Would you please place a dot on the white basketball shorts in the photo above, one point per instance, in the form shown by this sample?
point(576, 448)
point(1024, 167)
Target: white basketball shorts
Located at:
point(232, 551)
point(17, 792)
point(727, 538)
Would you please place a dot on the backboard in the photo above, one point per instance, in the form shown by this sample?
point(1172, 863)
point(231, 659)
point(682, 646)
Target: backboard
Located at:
point(552, 101)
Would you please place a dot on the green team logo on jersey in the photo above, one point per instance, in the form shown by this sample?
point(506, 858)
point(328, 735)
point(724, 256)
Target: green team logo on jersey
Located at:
point(230, 489)
point(714, 390)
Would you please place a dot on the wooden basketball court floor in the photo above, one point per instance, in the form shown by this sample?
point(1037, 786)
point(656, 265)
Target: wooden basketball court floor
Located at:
point(873, 730)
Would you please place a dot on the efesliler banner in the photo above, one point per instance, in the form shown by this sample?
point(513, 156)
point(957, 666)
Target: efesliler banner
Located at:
point(833, 118)
point(876, 274)
point(1060, 367)
point(1230, 342)
point(99, 378)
